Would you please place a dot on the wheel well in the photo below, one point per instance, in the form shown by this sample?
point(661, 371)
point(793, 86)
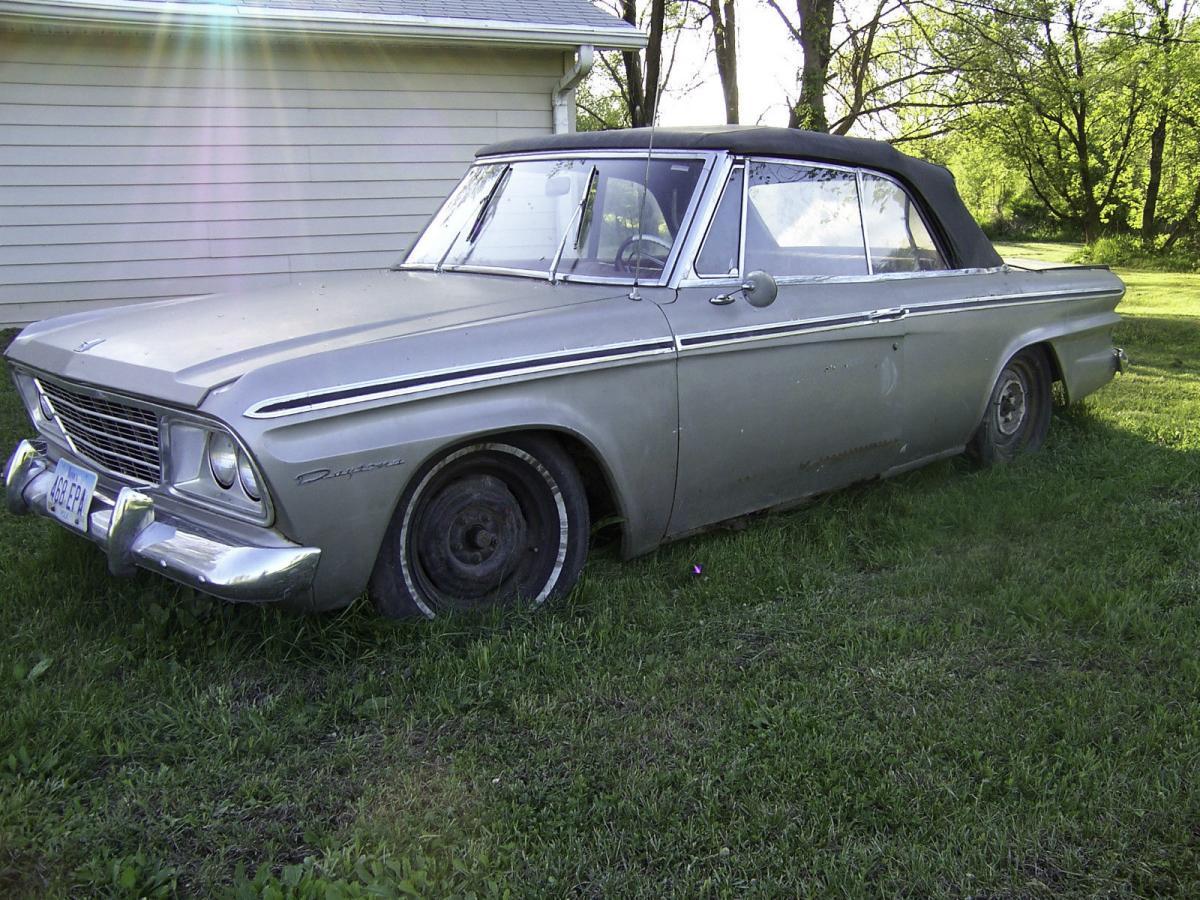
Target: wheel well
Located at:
point(1056, 372)
point(602, 499)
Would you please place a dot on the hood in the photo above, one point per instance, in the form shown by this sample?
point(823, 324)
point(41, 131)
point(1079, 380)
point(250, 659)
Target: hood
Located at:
point(178, 350)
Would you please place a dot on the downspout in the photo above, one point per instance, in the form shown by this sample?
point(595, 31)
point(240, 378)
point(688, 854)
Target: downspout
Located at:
point(564, 92)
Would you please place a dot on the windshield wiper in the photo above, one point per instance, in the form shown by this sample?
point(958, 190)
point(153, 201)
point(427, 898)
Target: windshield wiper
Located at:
point(475, 223)
point(562, 244)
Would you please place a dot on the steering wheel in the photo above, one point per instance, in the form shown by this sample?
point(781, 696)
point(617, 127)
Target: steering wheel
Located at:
point(626, 261)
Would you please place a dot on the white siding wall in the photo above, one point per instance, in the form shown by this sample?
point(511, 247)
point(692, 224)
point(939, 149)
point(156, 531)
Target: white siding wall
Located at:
point(134, 168)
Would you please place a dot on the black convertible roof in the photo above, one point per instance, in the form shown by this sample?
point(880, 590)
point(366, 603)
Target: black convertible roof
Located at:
point(933, 185)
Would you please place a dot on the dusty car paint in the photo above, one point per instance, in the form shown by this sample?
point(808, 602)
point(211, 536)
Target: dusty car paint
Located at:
point(694, 412)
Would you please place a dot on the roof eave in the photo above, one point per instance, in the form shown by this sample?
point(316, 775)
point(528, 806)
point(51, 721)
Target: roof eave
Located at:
point(409, 28)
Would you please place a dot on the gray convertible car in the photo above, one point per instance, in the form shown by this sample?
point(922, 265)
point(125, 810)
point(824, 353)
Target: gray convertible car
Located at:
point(672, 328)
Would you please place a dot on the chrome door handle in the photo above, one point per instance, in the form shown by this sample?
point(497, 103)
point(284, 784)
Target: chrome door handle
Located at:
point(887, 315)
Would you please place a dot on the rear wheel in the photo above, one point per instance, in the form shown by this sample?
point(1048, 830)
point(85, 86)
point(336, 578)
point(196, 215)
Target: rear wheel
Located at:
point(483, 526)
point(1017, 417)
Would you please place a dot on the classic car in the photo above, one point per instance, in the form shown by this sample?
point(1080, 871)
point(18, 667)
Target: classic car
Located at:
point(671, 328)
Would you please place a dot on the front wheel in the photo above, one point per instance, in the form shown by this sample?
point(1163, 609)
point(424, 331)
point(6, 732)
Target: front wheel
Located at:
point(485, 525)
point(1017, 417)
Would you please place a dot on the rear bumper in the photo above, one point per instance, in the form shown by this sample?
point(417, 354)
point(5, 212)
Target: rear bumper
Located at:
point(127, 529)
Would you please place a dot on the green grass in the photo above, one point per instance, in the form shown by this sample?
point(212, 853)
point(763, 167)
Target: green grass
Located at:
point(1044, 251)
point(953, 683)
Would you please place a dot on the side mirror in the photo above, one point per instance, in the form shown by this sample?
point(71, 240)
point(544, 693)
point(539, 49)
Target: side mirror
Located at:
point(760, 289)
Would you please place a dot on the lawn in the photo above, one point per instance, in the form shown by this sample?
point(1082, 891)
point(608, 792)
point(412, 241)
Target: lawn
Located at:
point(953, 683)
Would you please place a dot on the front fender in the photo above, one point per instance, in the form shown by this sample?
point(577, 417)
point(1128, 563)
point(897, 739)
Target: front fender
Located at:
point(337, 475)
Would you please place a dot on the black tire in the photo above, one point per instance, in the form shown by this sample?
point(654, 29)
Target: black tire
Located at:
point(497, 521)
point(1017, 417)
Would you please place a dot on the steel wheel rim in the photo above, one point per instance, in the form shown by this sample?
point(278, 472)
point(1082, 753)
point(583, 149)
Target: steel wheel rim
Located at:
point(543, 518)
point(1012, 404)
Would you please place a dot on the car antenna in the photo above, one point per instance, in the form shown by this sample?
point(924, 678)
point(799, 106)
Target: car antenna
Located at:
point(637, 266)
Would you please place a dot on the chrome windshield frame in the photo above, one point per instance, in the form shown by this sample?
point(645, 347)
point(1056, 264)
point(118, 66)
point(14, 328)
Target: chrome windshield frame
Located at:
point(667, 278)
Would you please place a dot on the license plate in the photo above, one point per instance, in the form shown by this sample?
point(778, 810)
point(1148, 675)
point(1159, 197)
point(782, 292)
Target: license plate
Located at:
point(70, 496)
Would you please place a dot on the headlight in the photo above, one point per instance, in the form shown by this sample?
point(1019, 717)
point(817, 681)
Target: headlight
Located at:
point(248, 477)
point(206, 464)
point(223, 459)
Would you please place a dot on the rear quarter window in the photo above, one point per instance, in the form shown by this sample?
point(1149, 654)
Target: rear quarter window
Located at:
point(897, 236)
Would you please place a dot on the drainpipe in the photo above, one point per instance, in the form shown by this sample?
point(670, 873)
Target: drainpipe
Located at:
point(564, 91)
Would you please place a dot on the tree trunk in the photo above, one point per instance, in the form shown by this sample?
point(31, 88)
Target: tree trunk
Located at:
point(634, 82)
point(816, 27)
point(1158, 142)
point(1080, 107)
point(658, 15)
point(643, 92)
point(724, 28)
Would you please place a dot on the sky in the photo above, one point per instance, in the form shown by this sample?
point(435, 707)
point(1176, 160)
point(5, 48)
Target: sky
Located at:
point(768, 60)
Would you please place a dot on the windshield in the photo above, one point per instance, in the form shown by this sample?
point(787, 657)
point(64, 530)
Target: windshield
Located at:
point(563, 218)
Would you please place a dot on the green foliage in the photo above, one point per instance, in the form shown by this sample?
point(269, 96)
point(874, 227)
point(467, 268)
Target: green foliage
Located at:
point(1126, 251)
point(1085, 120)
point(132, 876)
point(599, 105)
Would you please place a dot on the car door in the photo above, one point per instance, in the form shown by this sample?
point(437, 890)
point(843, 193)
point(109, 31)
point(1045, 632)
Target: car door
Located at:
point(798, 397)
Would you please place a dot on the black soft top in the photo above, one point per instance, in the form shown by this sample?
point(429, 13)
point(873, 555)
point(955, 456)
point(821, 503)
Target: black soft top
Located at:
point(932, 185)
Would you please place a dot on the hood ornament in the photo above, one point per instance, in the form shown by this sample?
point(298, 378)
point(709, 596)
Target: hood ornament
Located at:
point(88, 345)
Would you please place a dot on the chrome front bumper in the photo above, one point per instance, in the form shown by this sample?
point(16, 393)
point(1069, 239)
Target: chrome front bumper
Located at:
point(127, 529)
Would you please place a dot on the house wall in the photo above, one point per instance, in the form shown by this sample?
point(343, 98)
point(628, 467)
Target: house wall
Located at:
point(140, 167)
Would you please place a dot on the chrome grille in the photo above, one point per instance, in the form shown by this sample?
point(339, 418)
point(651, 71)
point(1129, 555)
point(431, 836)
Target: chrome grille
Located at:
point(121, 438)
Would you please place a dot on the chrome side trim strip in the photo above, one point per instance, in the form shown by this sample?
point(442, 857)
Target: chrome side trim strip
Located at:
point(387, 388)
point(705, 340)
point(972, 303)
point(401, 386)
point(768, 332)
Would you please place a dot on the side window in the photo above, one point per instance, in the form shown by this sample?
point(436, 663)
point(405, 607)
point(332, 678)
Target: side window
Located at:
point(896, 233)
point(722, 245)
point(803, 220)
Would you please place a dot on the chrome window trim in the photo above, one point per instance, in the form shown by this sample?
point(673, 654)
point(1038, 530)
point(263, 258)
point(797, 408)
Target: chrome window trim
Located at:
point(614, 153)
point(705, 210)
point(852, 279)
point(862, 221)
point(741, 270)
point(690, 279)
point(666, 277)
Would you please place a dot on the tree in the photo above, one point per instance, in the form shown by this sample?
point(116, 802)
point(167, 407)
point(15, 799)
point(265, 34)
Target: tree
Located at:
point(1067, 96)
point(813, 31)
point(723, 23)
point(876, 67)
point(1167, 58)
point(625, 87)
